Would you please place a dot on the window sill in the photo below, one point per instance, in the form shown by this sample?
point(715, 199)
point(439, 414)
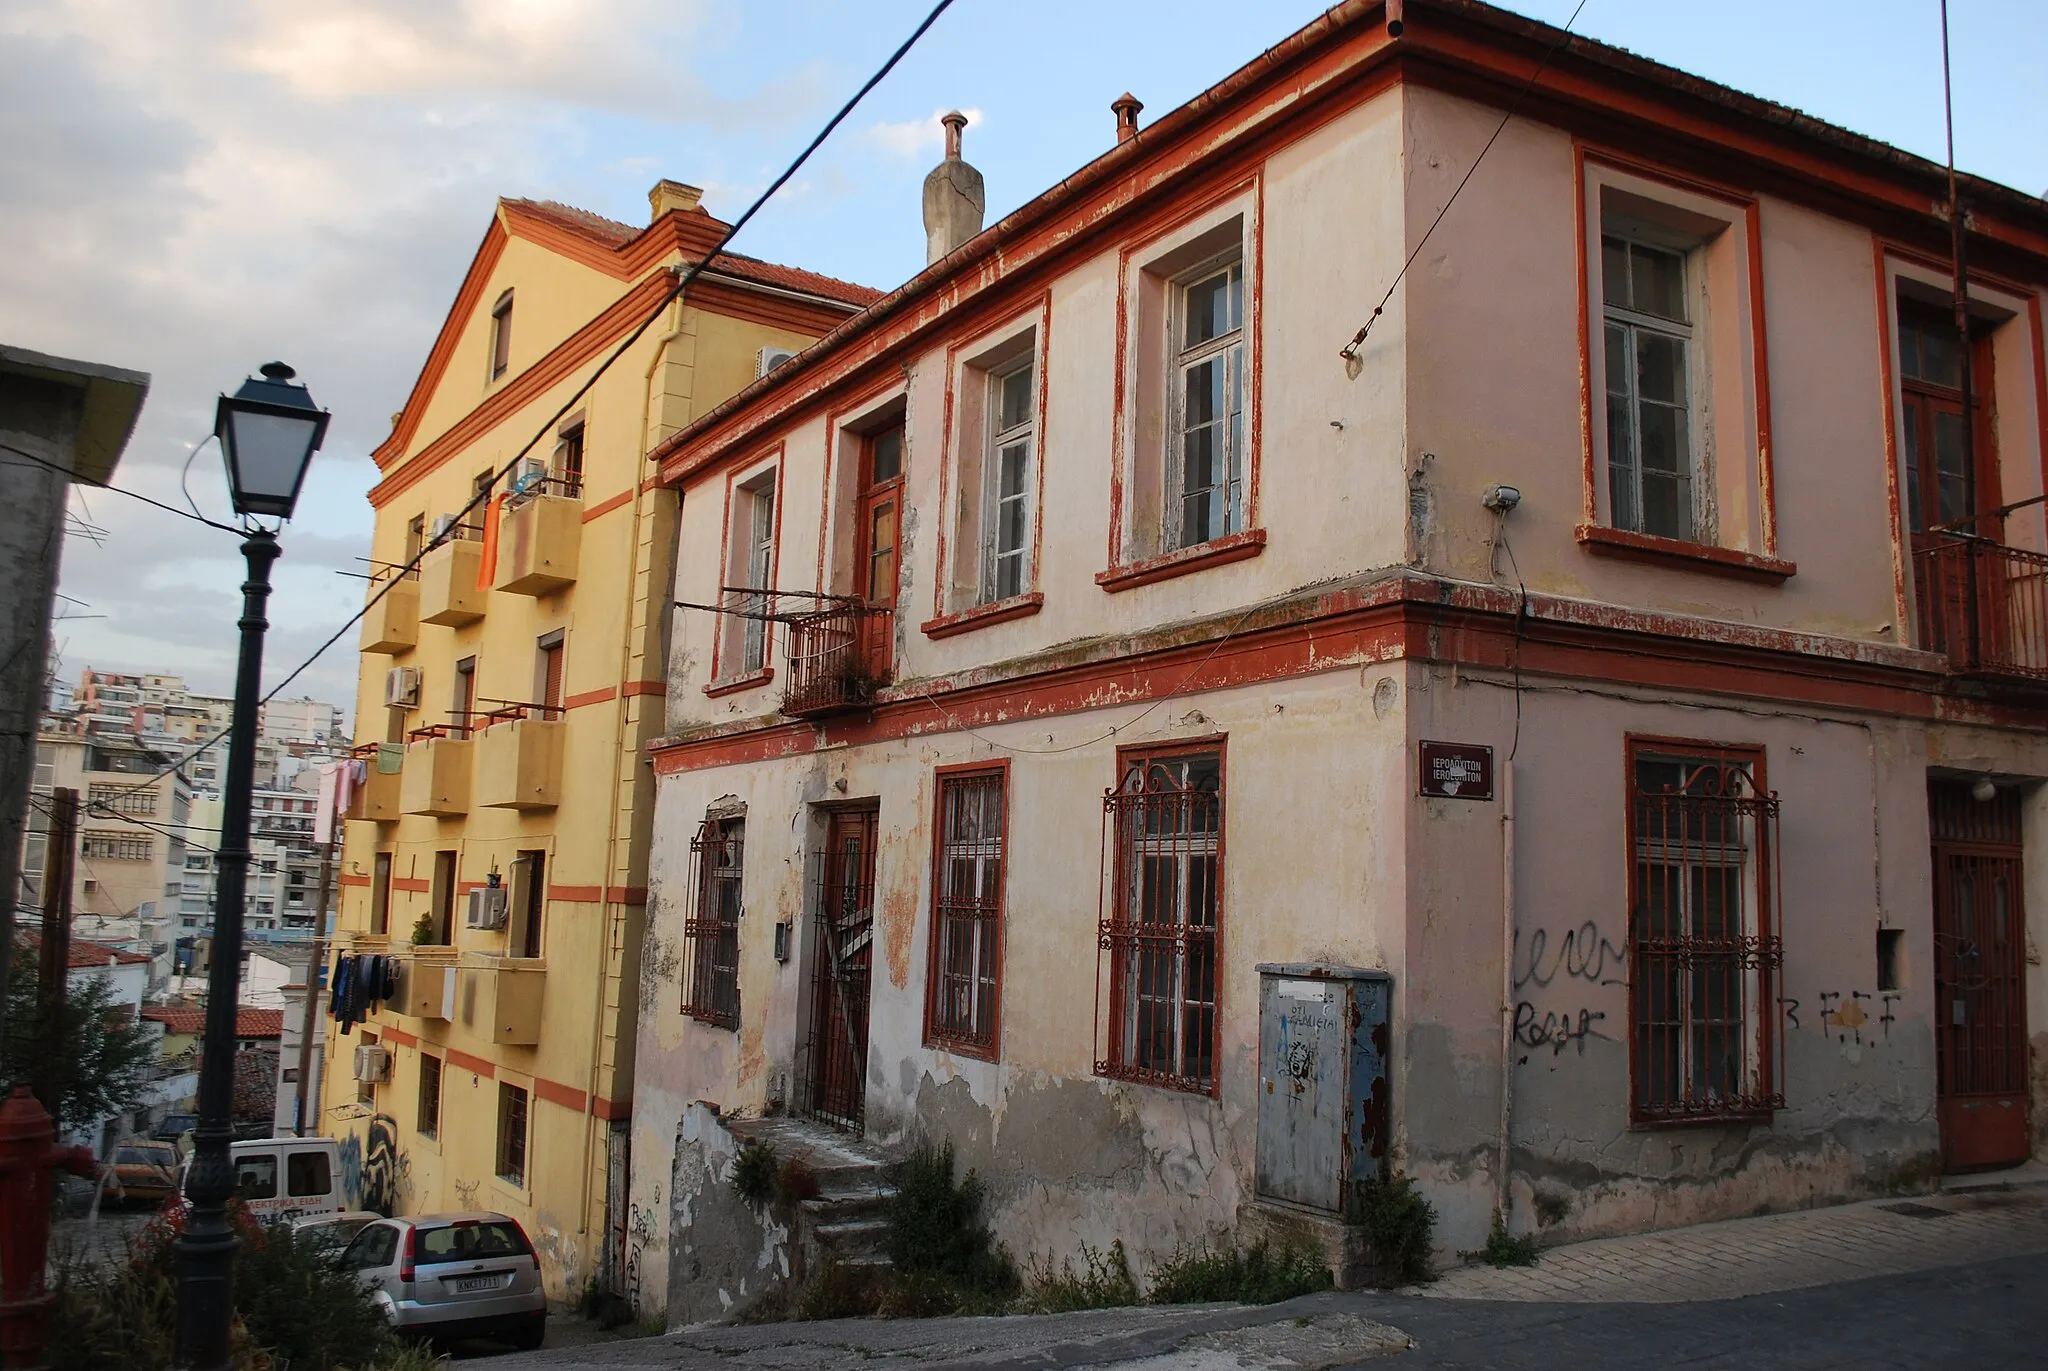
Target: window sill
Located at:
point(732, 685)
point(1673, 552)
point(982, 616)
point(1232, 547)
point(960, 1047)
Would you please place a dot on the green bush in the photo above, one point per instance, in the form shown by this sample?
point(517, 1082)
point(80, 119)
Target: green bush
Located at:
point(1254, 1275)
point(1103, 1282)
point(1400, 1226)
point(936, 1228)
point(293, 1307)
point(753, 1172)
point(840, 1291)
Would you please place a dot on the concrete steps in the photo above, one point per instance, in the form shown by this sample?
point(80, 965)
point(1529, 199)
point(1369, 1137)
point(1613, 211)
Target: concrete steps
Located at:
point(848, 1220)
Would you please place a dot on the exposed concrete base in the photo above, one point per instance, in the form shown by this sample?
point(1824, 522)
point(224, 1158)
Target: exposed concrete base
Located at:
point(1342, 1244)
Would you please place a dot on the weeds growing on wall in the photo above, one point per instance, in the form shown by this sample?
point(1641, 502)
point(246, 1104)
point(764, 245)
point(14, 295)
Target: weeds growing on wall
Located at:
point(753, 1172)
point(1502, 1250)
point(1259, 1274)
point(1400, 1227)
point(1102, 1281)
point(293, 1307)
point(936, 1229)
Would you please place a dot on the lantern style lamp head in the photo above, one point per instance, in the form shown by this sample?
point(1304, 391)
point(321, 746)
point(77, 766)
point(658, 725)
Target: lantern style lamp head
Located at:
point(268, 431)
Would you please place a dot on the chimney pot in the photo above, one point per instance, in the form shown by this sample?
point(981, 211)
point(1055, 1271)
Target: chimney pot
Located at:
point(953, 196)
point(672, 195)
point(1126, 106)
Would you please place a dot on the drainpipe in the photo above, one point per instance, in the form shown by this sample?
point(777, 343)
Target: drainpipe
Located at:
point(1507, 983)
point(614, 924)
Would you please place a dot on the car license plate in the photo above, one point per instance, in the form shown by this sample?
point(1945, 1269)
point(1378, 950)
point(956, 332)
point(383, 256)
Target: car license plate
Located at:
point(475, 1283)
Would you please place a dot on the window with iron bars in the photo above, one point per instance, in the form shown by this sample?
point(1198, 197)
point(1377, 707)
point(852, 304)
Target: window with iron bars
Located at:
point(1703, 897)
point(1163, 857)
point(963, 991)
point(711, 994)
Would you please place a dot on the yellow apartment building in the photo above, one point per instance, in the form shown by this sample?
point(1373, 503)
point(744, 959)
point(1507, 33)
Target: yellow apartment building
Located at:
point(496, 849)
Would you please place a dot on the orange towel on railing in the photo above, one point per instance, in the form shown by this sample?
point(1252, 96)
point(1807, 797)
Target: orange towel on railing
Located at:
point(487, 565)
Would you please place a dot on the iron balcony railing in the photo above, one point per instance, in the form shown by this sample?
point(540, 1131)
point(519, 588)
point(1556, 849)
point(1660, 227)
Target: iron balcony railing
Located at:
point(833, 658)
point(1984, 605)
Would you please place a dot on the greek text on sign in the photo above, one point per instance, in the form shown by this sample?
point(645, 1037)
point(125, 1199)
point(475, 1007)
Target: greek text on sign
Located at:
point(1457, 771)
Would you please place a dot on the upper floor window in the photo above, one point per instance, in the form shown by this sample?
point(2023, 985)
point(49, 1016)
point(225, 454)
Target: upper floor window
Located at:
point(1009, 490)
point(568, 461)
point(749, 576)
point(1205, 467)
point(1940, 485)
point(501, 335)
point(1649, 347)
point(1674, 379)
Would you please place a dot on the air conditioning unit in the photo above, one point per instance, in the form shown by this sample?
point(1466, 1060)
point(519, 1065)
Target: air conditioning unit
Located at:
point(442, 523)
point(373, 1064)
point(487, 907)
point(402, 687)
point(770, 358)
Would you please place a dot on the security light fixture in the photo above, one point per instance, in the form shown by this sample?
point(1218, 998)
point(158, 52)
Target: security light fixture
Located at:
point(1984, 791)
point(268, 431)
point(1501, 499)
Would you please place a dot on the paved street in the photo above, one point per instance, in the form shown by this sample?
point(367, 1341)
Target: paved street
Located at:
point(1949, 1280)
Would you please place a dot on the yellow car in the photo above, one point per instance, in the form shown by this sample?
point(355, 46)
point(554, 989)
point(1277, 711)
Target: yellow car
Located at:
point(141, 1172)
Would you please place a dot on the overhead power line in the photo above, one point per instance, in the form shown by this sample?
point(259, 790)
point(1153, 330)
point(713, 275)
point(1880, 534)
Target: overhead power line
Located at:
point(121, 490)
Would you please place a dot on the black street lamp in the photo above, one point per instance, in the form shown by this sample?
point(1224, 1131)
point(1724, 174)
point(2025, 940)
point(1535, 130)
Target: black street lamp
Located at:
point(268, 431)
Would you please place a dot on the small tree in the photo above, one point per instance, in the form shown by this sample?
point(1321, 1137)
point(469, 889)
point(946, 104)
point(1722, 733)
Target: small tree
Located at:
point(108, 1057)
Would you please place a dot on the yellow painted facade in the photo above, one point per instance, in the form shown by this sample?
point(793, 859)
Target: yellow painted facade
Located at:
point(553, 803)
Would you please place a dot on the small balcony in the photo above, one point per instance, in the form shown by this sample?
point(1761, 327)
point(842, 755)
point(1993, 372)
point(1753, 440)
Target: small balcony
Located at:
point(435, 779)
point(391, 622)
point(449, 594)
point(377, 798)
point(499, 998)
point(428, 988)
point(832, 659)
point(538, 536)
point(1983, 605)
point(519, 758)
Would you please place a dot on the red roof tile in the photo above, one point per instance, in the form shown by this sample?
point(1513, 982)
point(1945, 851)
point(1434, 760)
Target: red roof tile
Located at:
point(86, 954)
point(614, 234)
point(249, 1023)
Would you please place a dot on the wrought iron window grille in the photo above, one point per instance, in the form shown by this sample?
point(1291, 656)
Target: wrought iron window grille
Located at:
point(711, 932)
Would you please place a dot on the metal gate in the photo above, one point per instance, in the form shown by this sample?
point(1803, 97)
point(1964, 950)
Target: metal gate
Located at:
point(1979, 960)
point(841, 966)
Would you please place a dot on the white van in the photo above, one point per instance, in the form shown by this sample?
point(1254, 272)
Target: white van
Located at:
point(283, 1178)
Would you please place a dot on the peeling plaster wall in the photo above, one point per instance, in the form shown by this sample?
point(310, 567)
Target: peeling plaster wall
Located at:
point(1859, 1066)
point(728, 1253)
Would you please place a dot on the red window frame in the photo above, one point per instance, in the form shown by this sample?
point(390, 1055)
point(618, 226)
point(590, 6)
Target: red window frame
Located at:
point(964, 976)
point(1690, 965)
point(1147, 819)
point(711, 984)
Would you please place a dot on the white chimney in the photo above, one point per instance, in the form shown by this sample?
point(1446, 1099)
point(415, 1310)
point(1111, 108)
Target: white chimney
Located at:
point(953, 197)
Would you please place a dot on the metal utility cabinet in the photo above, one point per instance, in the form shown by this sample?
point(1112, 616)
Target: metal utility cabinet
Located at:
point(1323, 1088)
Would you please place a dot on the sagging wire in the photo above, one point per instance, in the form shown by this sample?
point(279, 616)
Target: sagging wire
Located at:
point(63, 470)
point(684, 276)
point(1349, 352)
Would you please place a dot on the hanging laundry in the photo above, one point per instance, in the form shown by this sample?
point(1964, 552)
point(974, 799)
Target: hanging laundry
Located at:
point(326, 806)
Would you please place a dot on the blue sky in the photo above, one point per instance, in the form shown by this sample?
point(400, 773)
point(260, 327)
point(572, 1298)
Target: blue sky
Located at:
point(193, 189)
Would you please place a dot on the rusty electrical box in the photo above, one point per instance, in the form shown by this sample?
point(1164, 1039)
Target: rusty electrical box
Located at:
point(1323, 1089)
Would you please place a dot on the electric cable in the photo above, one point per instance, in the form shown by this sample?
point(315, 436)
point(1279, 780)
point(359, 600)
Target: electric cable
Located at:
point(684, 276)
point(122, 490)
point(1349, 351)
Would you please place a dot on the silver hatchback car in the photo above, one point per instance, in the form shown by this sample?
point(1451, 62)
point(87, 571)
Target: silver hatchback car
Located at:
point(447, 1276)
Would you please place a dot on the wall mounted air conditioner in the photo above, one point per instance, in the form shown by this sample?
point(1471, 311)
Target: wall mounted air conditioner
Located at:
point(402, 687)
point(770, 358)
point(373, 1064)
point(442, 523)
point(487, 907)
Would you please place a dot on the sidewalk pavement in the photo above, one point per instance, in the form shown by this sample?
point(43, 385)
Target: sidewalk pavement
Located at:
point(1881, 1283)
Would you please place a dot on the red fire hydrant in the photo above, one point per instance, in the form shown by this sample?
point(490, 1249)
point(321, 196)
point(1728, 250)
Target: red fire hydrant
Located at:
point(28, 1162)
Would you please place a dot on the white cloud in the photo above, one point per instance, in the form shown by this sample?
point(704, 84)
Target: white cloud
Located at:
point(916, 139)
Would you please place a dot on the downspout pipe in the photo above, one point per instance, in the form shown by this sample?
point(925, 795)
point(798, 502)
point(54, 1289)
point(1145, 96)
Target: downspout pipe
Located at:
point(1503, 1199)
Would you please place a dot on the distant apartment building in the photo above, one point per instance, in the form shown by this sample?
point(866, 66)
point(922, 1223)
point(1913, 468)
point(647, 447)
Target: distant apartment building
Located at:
point(303, 720)
point(497, 843)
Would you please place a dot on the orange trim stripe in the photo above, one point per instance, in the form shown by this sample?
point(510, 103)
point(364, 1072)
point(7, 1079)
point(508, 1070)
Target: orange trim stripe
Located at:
point(590, 697)
point(646, 688)
point(563, 1095)
point(457, 1057)
point(604, 507)
point(577, 894)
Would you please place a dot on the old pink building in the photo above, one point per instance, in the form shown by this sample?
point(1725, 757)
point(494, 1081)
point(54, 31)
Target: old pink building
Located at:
point(1623, 667)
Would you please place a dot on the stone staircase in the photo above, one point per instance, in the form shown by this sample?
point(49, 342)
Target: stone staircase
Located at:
point(848, 1220)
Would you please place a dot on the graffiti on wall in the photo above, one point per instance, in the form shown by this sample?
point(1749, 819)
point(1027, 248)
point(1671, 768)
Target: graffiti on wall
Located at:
point(466, 1194)
point(641, 1229)
point(1582, 955)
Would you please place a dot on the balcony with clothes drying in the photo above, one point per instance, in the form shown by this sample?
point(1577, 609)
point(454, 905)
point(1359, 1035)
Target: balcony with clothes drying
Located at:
point(531, 544)
point(374, 794)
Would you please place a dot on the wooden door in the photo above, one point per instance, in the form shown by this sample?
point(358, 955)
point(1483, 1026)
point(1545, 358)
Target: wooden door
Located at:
point(878, 571)
point(1946, 483)
point(1980, 1008)
point(841, 969)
